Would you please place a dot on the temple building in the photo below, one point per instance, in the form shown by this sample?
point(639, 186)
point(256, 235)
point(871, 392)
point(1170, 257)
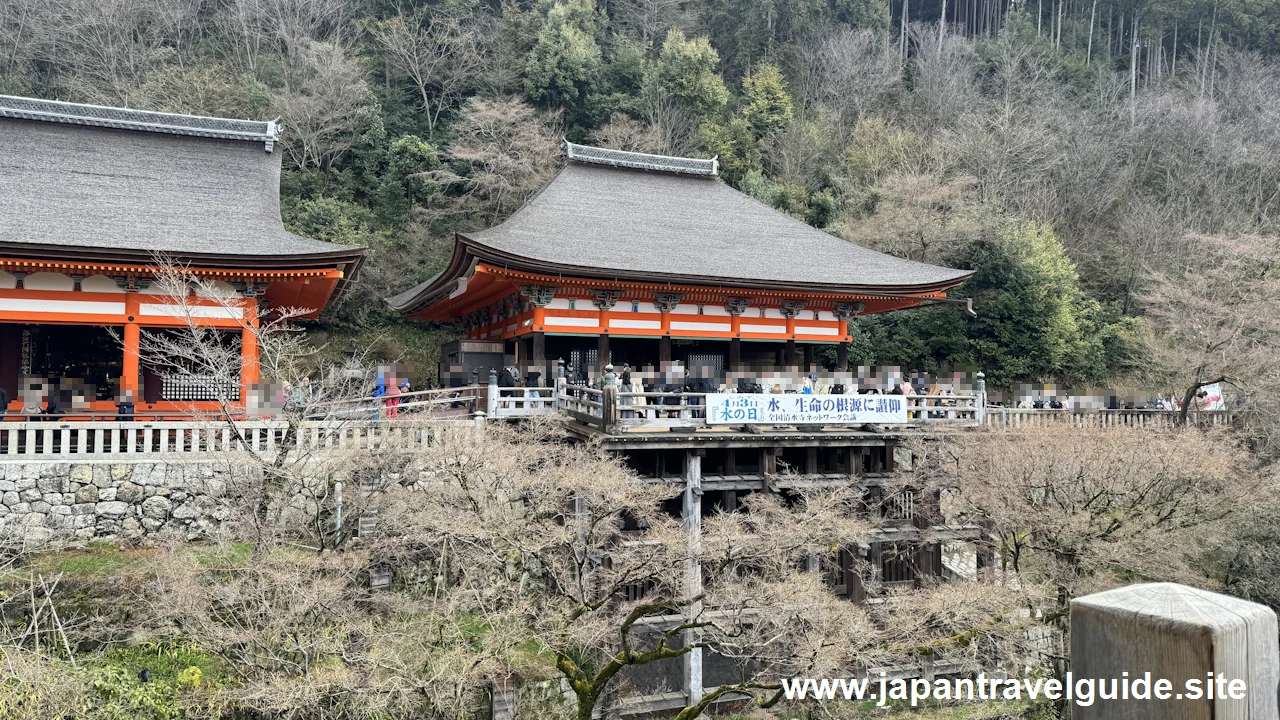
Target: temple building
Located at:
point(628, 259)
point(93, 199)
point(644, 259)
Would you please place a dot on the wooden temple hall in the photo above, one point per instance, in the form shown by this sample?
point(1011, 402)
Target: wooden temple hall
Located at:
point(641, 260)
point(91, 199)
point(646, 260)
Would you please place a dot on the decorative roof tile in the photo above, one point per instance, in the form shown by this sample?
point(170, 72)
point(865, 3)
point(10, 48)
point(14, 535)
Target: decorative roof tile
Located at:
point(126, 119)
point(640, 161)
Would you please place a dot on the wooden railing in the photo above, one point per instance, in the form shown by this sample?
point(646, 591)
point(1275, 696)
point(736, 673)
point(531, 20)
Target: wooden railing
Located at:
point(661, 409)
point(609, 410)
point(364, 423)
point(1014, 418)
point(518, 402)
point(585, 404)
point(467, 399)
point(47, 440)
point(924, 410)
point(633, 410)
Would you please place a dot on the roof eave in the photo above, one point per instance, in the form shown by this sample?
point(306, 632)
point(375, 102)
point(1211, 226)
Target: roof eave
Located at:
point(220, 260)
point(467, 248)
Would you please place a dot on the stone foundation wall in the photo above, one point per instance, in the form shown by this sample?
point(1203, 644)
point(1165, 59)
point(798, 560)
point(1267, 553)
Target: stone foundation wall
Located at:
point(45, 501)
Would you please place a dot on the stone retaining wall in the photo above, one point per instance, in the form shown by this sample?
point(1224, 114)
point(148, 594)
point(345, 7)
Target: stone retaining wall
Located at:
point(42, 501)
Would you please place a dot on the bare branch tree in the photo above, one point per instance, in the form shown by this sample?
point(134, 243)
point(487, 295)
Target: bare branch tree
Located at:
point(556, 546)
point(511, 152)
point(849, 71)
point(624, 133)
point(1216, 319)
point(439, 55)
point(326, 105)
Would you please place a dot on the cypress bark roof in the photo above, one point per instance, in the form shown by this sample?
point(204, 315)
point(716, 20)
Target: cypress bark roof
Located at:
point(600, 219)
point(118, 185)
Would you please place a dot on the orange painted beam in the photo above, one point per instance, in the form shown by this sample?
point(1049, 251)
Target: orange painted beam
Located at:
point(581, 287)
point(77, 268)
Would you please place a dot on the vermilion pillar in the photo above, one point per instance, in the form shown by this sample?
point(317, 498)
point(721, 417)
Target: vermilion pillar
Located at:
point(129, 373)
point(132, 340)
point(248, 356)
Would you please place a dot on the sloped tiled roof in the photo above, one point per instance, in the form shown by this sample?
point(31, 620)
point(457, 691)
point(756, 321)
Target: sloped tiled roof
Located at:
point(607, 219)
point(114, 184)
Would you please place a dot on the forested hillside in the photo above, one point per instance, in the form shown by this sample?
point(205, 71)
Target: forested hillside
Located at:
point(1096, 162)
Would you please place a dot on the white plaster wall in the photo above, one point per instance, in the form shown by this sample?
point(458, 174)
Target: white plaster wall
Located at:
point(100, 284)
point(48, 281)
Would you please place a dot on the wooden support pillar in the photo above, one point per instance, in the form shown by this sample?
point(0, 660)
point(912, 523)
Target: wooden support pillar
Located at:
point(842, 357)
point(249, 374)
point(811, 461)
point(735, 354)
point(503, 698)
point(769, 462)
point(875, 552)
point(129, 372)
point(692, 510)
point(602, 353)
point(928, 561)
point(130, 376)
point(808, 357)
point(985, 551)
point(856, 590)
point(790, 352)
point(664, 350)
point(540, 359)
point(781, 355)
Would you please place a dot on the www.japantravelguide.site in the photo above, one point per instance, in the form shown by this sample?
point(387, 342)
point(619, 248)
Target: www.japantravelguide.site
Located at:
point(1078, 690)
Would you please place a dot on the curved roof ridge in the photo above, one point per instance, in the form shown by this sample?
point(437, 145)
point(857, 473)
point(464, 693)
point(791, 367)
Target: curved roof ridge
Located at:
point(57, 111)
point(641, 161)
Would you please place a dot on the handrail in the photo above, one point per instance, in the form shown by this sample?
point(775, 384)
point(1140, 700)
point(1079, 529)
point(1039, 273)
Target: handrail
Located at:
point(41, 440)
point(605, 409)
point(378, 407)
point(1005, 417)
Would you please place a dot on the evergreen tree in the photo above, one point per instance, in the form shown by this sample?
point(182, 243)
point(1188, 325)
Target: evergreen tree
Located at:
point(686, 73)
point(565, 63)
point(767, 103)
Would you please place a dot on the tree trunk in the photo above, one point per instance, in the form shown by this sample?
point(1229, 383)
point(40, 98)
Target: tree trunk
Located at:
point(902, 38)
point(1088, 57)
point(942, 25)
point(1120, 37)
point(1060, 16)
point(1133, 72)
point(1173, 64)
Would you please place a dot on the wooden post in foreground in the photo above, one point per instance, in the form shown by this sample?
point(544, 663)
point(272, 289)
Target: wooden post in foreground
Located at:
point(504, 699)
point(1179, 634)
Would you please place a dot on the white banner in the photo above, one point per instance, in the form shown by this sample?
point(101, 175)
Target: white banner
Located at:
point(750, 408)
point(1213, 399)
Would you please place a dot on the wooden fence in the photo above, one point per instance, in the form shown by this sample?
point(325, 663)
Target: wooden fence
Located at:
point(48, 441)
point(370, 423)
point(1015, 418)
